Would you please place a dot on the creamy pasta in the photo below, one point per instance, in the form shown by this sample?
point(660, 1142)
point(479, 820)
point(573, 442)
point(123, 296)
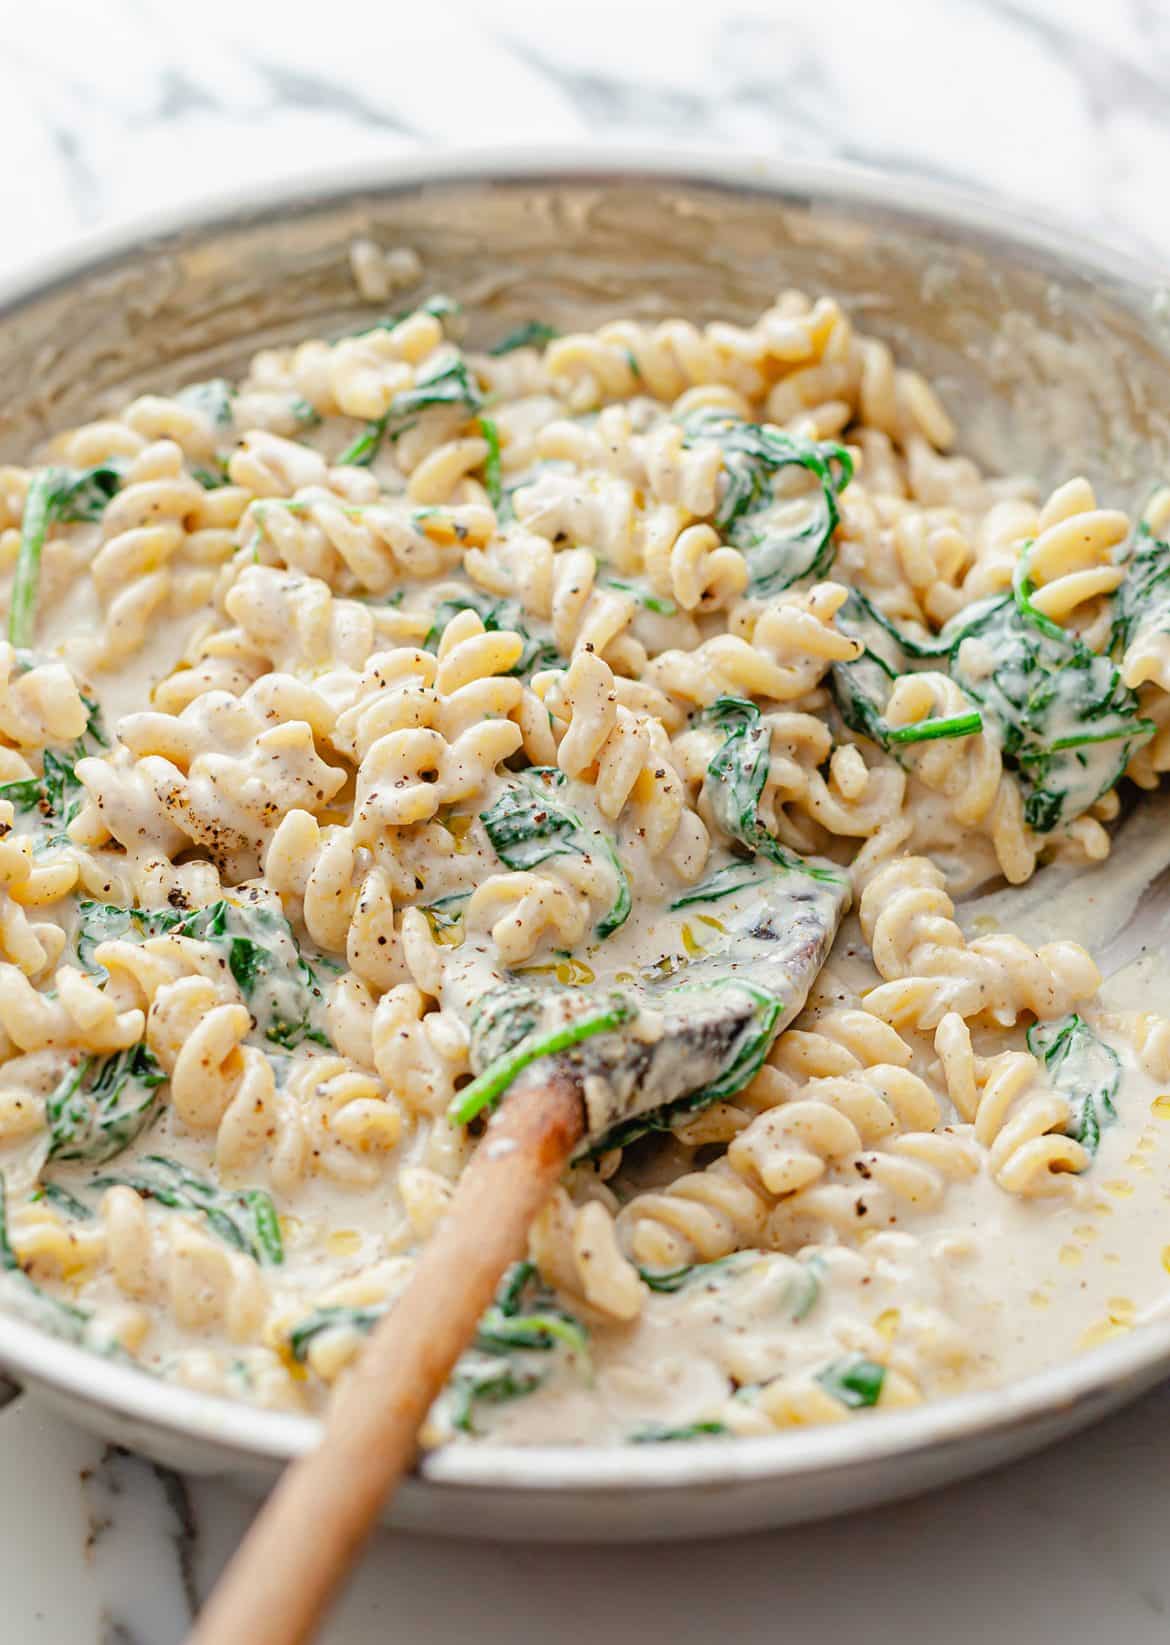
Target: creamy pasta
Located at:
point(402, 715)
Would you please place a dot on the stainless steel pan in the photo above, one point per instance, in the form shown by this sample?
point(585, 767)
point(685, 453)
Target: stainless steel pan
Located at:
point(1057, 355)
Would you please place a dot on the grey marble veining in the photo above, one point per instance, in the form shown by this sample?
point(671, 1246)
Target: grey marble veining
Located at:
point(1059, 105)
point(1062, 106)
point(1068, 1547)
point(141, 1543)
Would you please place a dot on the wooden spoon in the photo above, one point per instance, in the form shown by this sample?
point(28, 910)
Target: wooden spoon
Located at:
point(277, 1587)
point(711, 1034)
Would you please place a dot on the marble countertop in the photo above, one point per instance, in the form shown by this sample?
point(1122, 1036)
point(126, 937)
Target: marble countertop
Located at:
point(1068, 1547)
point(117, 108)
point(1060, 105)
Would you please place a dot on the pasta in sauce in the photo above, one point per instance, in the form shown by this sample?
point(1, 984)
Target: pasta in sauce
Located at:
point(358, 716)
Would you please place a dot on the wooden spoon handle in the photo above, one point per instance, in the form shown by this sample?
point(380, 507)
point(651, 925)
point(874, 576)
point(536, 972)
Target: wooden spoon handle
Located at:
point(277, 1587)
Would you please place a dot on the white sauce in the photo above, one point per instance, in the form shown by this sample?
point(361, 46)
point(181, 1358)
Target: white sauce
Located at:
point(927, 1287)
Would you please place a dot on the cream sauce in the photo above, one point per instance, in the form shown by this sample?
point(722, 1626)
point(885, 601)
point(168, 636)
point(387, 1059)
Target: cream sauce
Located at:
point(926, 1290)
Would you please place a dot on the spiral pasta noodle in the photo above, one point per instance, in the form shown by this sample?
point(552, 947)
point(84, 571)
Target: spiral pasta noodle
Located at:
point(381, 725)
point(931, 969)
point(1021, 1127)
point(576, 1249)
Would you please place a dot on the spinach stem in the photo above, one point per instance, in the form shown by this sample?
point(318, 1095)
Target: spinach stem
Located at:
point(1144, 728)
point(34, 527)
point(363, 450)
point(491, 463)
point(924, 731)
point(536, 334)
point(53, 494)
point(486, 1089)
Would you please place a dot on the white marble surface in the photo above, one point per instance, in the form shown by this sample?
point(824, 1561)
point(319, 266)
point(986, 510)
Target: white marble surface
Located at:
point(99, 1548)
point(1062, 105)
point(126, 105)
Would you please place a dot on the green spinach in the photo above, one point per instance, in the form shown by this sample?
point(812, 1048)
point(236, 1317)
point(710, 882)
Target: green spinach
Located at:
point(323, 1320)
point(1142, 602)
point(491, 465)
point(535, 334)
point(735, 782)
point(497, 616)
point(802, 1287)
point(62, 1319)
point(856, 1381)
point(779, 550)
point(649, 602)
point(306, 415)
point(861, 689)
point(727, 881)
point(50, 801)
point(488, 1372)
point(63, 1199)
point(99, 922)
point(524, 1318)
point(1084, 1070)
point(1066, 722)
point(526, 1315)
point(446, 914)
point(439, 307)
point(281, 988)
point(447, 384)
point(659, 1433)
point(53, 799)
point(668, 1281)
point(56, 494)
point(246, 1220)
point(214, 399)
point(500, 1071)
point(527, 825)
point(99, 1107)
point(489, 1380)
point(263, 956)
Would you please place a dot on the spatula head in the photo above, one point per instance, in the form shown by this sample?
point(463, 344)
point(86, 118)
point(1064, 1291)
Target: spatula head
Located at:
point(692, 1009)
